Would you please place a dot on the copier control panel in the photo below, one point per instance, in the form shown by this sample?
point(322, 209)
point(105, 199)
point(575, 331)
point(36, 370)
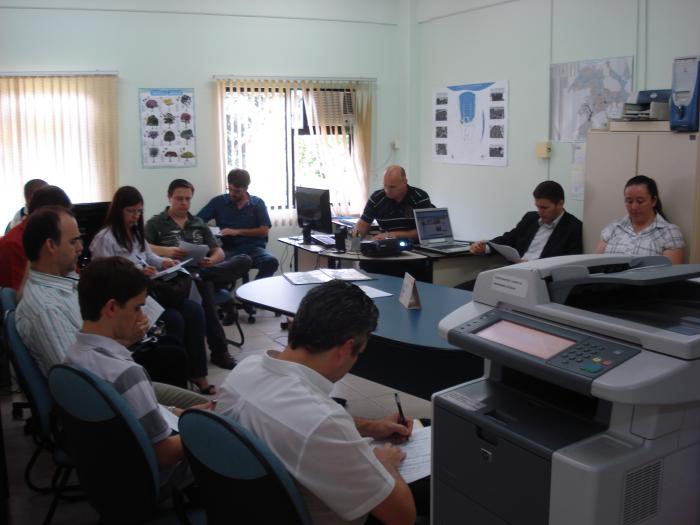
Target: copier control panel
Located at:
point(500, 335)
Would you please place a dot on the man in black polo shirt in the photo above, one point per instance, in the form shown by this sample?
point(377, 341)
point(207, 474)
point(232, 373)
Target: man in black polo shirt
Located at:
point(393, 207)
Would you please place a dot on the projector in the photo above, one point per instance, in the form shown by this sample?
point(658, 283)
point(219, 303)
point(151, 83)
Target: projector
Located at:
point(384, 247)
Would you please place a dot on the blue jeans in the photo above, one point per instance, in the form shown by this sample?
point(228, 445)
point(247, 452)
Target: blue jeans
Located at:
point(263, 261)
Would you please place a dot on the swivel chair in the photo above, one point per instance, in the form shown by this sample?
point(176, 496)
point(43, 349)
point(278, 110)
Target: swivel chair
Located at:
point(114, 458)
point(229, 461)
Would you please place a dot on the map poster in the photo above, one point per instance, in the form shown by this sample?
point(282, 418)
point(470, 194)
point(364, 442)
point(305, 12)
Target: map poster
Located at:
point(168, 139)
point(585, 95)
point(470, 124)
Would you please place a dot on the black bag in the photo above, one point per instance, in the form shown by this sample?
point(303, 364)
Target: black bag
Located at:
point(170, 290)
point(163, 357)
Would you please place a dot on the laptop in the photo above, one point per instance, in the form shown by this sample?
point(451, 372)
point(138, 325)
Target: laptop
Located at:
point(435, 232)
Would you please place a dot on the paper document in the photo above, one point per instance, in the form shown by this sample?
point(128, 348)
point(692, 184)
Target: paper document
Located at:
point(373, 293)
point(177, 267)
point(312, 277)
point(347, 274)
point(215, 230)
point(152, 309)
point(195, 252)
point(416, 464)
point(171, 419)
point(510, 253)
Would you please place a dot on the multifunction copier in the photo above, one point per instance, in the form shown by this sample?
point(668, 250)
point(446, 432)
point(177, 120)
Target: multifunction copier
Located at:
point(589, 409)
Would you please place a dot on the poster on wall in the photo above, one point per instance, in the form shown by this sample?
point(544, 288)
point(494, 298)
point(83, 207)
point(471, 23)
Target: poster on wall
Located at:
point(168, 138)
point(585, 95)
point(470, 124)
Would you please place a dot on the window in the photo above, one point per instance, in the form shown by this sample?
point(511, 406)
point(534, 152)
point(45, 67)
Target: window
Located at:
point(289, 134)
point(61, 129)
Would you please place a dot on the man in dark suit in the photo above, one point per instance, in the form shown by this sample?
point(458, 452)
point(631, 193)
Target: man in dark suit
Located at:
point(547, 232)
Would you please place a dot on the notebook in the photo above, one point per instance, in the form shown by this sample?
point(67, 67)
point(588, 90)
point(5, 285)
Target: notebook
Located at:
point(435, 232)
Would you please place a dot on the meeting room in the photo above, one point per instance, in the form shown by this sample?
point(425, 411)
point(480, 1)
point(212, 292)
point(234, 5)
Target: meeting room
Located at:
point(328, 262)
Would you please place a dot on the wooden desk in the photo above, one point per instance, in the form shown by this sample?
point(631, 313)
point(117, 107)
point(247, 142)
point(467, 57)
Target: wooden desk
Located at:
point(405, 352)
point(446, 270)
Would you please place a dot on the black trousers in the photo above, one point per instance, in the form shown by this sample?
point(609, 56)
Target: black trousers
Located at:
point(165, 361)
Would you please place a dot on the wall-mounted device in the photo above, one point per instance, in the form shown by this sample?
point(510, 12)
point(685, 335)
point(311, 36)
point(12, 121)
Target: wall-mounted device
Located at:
point(685, 92)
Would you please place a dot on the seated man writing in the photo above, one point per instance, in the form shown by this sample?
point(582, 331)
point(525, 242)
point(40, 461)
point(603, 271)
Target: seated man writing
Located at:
point(111, 293)
point(284, 398)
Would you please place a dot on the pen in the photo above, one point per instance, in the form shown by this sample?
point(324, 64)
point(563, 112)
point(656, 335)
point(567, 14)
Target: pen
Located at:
point(402, 418)
point(142, 260)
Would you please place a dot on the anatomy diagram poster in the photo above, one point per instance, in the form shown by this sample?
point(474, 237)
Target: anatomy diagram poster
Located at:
point(470, 124)
point(168, 138)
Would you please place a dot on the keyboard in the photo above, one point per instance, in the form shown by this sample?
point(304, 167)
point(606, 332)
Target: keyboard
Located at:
point(322, 239)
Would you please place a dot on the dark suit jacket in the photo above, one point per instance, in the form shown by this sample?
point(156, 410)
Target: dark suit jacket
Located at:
point(566, 239)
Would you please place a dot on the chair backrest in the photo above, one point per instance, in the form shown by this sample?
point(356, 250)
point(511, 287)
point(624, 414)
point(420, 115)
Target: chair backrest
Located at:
point(32, 383)
point(241, 478)
point(8, 300)
point(114, 459)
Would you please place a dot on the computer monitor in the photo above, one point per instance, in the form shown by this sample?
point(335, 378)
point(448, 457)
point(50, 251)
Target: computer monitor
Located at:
point(314, 209)
point(90, 217)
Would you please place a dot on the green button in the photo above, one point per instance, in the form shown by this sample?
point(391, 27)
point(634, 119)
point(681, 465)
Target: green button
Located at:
point(591, 368)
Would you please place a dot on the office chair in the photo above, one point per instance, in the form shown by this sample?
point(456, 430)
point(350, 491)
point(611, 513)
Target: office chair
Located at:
point(225, 302)
point(114, 458)
point(41, 424)
point(240, 477)
point(8, 301)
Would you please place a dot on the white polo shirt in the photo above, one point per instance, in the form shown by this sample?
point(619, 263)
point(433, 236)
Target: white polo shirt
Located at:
point(289, 407)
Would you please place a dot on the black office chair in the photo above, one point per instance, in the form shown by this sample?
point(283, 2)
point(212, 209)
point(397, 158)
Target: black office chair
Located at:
point(114, 458)
point(226, 303)
point(229, 462)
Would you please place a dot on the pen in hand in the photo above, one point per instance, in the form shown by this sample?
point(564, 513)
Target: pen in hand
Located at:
point(402, 418)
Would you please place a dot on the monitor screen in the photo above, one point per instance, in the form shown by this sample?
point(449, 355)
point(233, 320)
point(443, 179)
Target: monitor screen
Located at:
point(314, 209)
point(90, 217)
point(433, 223)
point(529, 340)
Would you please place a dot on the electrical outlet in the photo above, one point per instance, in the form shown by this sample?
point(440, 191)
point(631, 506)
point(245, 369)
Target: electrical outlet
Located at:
point(395, 144)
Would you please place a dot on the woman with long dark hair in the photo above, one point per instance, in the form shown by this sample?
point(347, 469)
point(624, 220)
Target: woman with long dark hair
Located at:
point(645, 230)
point(123, 235)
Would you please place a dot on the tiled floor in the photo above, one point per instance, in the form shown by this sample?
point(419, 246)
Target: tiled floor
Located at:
point(365, 398)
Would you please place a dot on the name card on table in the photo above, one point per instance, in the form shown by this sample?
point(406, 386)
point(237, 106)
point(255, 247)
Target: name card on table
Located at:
point(409, 292)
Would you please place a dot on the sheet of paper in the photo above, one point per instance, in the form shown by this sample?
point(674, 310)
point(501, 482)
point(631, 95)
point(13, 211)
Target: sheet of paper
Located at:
point(215, 230)
point(171, 419)
point(416, 464)
point(510, 253)
point(312, 277)
point(346, 274)
point(196, 252)
point(372, 293)
point(152, 309)
point(179, 266)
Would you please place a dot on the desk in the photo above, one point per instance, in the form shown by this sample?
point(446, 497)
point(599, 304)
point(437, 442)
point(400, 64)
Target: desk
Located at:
point(446, 270)
point(405, 352)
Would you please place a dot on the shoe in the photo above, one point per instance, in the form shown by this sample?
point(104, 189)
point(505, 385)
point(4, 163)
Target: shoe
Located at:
point(223, 360)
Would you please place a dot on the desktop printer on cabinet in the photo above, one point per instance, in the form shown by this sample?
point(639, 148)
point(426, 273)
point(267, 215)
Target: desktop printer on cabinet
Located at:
point(588, 412)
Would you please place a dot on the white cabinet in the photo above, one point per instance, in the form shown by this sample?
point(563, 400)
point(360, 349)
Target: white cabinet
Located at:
point(672, 159)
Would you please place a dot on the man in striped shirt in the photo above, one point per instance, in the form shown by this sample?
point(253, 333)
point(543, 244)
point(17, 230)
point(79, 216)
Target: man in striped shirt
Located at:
point(393, 207)
point(111, 294)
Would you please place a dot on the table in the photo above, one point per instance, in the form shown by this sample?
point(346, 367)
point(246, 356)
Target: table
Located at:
point(447, 270)
point(405, 351)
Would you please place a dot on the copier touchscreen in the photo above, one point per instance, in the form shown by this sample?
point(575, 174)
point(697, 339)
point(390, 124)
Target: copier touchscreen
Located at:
point(529, 340)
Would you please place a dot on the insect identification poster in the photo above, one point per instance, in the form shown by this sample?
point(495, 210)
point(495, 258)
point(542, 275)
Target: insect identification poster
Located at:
point(168, 138)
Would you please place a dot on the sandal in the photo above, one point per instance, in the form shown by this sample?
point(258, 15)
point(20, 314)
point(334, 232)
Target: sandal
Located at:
point(209, 390)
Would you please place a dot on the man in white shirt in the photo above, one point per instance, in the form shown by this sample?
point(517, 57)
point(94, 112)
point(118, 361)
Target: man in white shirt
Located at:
point(284, 398)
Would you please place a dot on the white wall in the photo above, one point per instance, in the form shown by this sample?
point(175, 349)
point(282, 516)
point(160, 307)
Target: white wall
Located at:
point(517, 40)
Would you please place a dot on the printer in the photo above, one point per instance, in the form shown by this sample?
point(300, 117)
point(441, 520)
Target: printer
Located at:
point(588, 412)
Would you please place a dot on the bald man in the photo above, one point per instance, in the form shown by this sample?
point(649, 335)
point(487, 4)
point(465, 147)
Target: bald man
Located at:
point(393, 207)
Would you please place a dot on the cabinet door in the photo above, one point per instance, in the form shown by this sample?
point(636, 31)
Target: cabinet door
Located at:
point(611, 160)
point(671, 159)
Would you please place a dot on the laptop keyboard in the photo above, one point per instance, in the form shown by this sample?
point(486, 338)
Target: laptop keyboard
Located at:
point(323, 240)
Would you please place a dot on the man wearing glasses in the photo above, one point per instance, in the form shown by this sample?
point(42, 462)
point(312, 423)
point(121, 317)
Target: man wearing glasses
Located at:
point(244, 223)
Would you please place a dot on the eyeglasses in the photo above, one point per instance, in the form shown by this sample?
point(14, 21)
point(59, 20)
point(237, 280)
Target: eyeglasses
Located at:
point(134, 212)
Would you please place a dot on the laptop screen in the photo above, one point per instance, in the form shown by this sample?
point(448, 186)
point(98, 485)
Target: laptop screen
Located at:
point(433, 223)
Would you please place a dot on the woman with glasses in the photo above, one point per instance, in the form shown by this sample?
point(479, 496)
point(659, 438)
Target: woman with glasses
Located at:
point(123, 235)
